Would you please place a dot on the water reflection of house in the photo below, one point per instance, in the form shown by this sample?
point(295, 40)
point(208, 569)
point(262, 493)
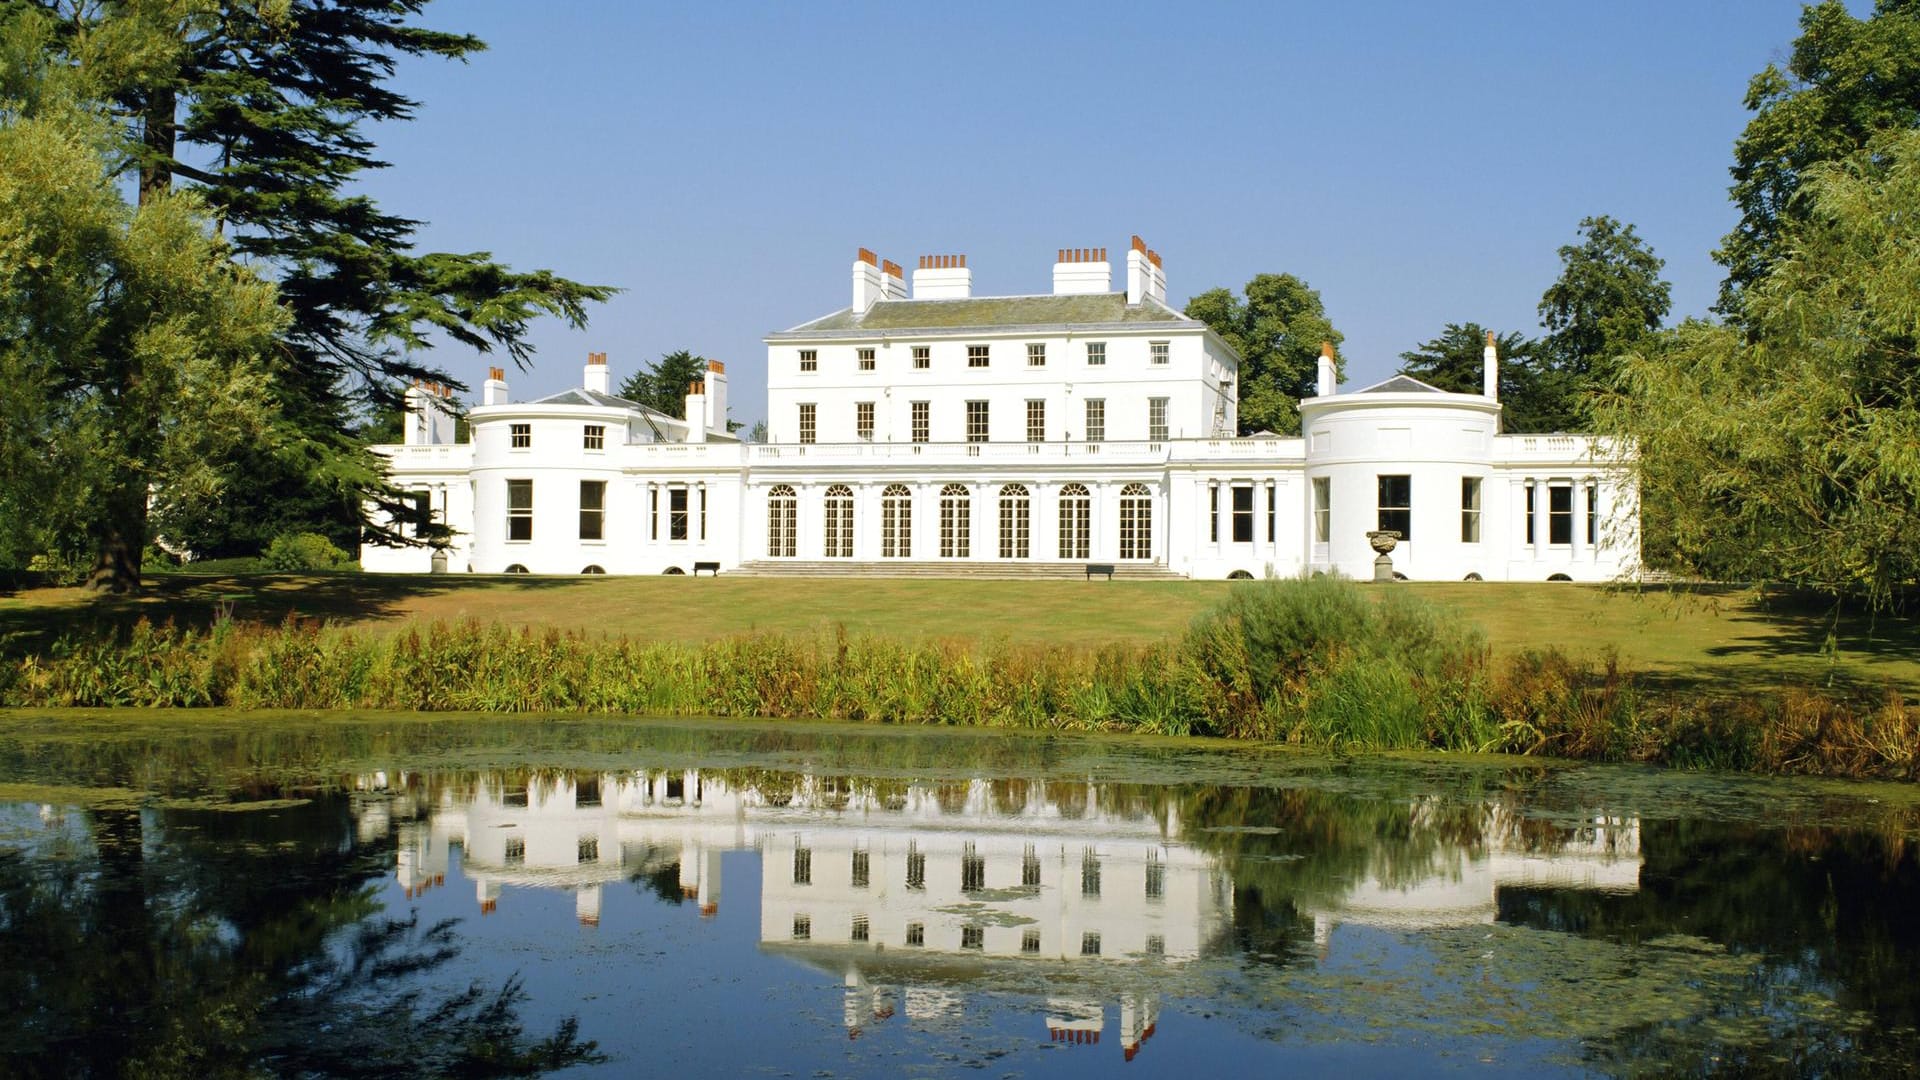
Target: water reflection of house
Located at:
point(1459, 885)
point(913, 894)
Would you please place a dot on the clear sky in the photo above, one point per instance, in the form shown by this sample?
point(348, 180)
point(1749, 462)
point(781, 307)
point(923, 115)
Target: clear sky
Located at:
point(1418, 163)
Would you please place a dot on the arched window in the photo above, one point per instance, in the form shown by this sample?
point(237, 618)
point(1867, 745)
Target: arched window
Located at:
point(783, 510)
point(516, 568)
point(956, 522)
point(1013, 522)
point(1076, 522)
point(594, 568)
point(1136, 522)
point(839, 522)
point(896, 522)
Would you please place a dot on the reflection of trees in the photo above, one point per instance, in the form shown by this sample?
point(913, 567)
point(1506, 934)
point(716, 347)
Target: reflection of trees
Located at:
point(209, 944)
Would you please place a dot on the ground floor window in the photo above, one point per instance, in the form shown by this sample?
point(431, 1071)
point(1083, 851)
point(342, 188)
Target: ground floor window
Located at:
point(956, 514)
point(1243, 514)
point(1469, 509)
point(839, 538)
point(1136, 522)
point(519, 510)
point(677, 513)
point(1593, 515)
point(1560, 514)
point(1014, 533)
point(1322, 509)
point(896, 522)
point(1076, 521)
point(782, 510)
point(1396, 505)
point(593, 509)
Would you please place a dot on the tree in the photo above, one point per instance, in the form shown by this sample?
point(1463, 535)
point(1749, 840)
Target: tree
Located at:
point(136, 352)
point(1277, 330)
point(1454, 361)
point(1788, 448)
point(1848, 81)
point(662, 386)
point(261, 107)
point(1608, 301)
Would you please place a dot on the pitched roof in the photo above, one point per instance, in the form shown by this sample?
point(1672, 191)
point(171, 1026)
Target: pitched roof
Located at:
point(996, 312)
point(582, 396)
point(1401, 384)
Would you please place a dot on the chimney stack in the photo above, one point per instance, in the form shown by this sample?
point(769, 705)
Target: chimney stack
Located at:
point(942, 277)
point(1139, 272)
point(1329, 373)
point(893, 281)
point(868, 286)
point(494, 392)
point(696, 413)
point(429, 414)
point(1490, 375)
point(716, 397)
point(598, 378)
point(1082, 270)
point(1157, 277)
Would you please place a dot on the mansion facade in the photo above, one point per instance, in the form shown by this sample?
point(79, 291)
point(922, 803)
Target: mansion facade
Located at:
point(1085, 426)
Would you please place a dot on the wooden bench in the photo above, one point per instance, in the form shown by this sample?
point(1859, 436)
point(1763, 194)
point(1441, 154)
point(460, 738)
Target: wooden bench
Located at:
point(712, 568)
point(1099, 568)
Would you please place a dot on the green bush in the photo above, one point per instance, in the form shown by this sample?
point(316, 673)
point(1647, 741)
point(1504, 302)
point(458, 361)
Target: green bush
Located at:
point(292, 552)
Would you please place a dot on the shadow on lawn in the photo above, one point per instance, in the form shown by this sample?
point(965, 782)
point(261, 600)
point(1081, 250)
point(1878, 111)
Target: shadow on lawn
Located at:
point(196, 601)
point(1794, 636)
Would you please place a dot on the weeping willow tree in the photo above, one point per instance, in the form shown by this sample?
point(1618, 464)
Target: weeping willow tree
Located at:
point(1788, 449)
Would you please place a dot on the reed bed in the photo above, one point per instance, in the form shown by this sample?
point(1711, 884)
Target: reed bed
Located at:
point(1318, 663)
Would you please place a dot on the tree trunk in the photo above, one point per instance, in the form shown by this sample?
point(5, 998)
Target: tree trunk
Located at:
point(121, 537)
point(157, 133)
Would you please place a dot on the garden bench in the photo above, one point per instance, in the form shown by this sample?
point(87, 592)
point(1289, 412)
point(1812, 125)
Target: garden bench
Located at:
point(1099, 568)
point(712, 568)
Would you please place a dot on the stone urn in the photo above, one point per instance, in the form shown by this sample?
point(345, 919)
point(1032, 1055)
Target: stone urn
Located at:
point(1383, 541)
point(439, 560)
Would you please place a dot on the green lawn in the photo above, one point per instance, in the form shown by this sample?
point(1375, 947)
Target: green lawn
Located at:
point(1723, 636)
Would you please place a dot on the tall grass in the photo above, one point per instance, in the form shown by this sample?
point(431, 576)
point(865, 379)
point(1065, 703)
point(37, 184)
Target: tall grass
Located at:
point(1321, 663)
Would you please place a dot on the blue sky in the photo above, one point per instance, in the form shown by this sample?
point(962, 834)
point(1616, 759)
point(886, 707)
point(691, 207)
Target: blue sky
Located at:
point(1417, 163)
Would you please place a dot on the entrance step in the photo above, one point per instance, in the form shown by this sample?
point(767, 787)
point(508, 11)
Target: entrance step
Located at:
point(973, 571)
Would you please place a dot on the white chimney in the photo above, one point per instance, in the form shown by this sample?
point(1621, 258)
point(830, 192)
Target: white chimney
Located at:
point(867, 286)
point(429, 415)
point(1139, 271)
point(696, 413)
point(716, 397)
point(494, 391)
point(1158, 288)
point(1329, 375)
point(942, 277)
point(1490, 376)
point(598, 378)
point(893, 281)
point(1082, 270)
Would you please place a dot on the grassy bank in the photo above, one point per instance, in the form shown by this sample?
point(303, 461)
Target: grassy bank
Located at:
point(1317, 663)
point(1714, 639)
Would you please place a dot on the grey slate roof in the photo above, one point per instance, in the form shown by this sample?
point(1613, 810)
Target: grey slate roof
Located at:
point(582, 396)
point(1401, 384)
point(993, 312)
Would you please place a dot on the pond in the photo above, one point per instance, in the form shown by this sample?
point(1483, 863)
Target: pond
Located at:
point(205, 894)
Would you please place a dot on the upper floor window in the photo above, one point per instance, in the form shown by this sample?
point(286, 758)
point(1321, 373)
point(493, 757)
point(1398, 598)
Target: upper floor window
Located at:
point(809, 413)
point(1396, 505)
point(922, 419)
point(809, 360)
point(976, 421)
point(866, 359)
point(976, 356)
point(1036, 421)
point(1096, 353)
point(1096, 419)
point(1036, 354)
point(595, 437)
point(521, 436)
point(1157, 419)
point(922, 357)
point(1158, 351)
point(863, 420)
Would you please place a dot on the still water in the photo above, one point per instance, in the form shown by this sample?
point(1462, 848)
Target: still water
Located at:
point(238, 894)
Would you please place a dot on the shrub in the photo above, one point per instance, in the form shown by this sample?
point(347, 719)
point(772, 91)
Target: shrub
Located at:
point(292, 552)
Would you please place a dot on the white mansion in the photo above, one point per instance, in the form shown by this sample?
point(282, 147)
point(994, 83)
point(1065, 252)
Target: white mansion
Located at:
point(1082, 426)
